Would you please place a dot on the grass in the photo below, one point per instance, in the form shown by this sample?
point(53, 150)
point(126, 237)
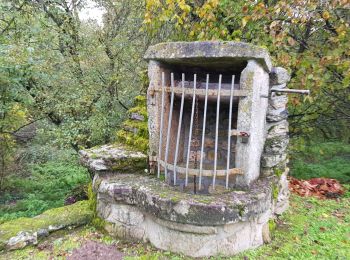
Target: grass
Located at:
point(329, 160)
point(310, 229)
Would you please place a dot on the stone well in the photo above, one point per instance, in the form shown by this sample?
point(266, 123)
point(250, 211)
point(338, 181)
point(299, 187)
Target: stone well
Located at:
point(216, 170)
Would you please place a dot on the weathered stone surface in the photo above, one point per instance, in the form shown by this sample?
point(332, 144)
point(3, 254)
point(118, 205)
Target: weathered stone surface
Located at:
point(116, 158)
point(276, 145)
point(271, 160)
point(18, 233)
point(279, 76)
point(22, 239)
point(147, 209)
point(277, 129)
point(205, 52)
point(275, 115)
point(277, 101)
point(165, 202)
point(137, 116)
point(277, 169)
point(282, 201)
point(266, 233)
point(251, 118)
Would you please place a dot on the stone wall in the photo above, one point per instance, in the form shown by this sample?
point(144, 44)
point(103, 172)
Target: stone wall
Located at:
point(274, 158)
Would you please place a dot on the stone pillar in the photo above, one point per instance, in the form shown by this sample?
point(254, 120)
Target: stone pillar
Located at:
point(251, 118)
point(154, 100)
point(274, 159)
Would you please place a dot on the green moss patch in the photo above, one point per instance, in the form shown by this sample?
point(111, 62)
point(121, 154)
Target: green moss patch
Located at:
point(135, 133)
point(53, 219)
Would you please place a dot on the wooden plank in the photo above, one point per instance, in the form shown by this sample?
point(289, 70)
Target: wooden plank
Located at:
point(196, 172)
point(211, 92)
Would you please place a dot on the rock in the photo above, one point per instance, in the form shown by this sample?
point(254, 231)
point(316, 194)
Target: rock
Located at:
point(277, 129)
point(129, 129)
point(282, 201)
point(19, 233)
point(279, 76)
point(115, 158)
point(272, 160)
point(266, 233)
point(278, 101)
point(278, 169)
point(276, 145)
point(137, 116)
point(276, 115)
point(21, 240)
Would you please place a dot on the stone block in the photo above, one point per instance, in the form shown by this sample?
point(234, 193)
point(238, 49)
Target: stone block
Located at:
point(137, 117)
point(115, 158)
point(275, 115)
point(277, 129)
point(272, 160)
point(276, 145)
point(195, 52)
point(279, 76)
point(278, 101)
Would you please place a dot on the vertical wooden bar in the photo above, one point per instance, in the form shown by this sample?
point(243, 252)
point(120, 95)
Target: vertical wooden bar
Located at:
point(169, 125)
point(179, 126)
point(191, 126)
point(203, 132)
point(161, 125)
point(217, 131)
point(229, 131)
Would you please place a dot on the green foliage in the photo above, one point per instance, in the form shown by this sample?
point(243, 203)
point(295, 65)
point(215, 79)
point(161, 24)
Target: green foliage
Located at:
point(46, 187)
point(73, 73)
point(329, 159)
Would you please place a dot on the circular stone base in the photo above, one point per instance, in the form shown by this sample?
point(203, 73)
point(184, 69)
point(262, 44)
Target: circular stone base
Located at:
point(146, 209)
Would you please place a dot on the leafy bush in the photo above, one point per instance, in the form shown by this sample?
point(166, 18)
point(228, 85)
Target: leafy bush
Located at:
point(329, 159)
point(46, 187)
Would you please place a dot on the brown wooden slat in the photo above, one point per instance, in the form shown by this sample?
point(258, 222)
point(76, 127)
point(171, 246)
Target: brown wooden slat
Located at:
point(195, 172)
point(211, 92)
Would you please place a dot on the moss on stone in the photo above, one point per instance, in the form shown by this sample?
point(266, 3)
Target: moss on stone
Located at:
point(278, 172)
point(241, 210)
point(129, 164)
point(67, 216)
point(272, 225)
point(135, 141)
point(140, 100)
point(140, 110)
point(275, 191)
point(135, 133)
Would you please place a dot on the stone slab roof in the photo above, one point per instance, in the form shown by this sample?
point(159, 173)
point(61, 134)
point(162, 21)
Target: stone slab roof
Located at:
point(208, 51)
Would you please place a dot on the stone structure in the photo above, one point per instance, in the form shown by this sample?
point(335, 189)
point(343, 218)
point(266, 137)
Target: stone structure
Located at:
point(225, 221)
